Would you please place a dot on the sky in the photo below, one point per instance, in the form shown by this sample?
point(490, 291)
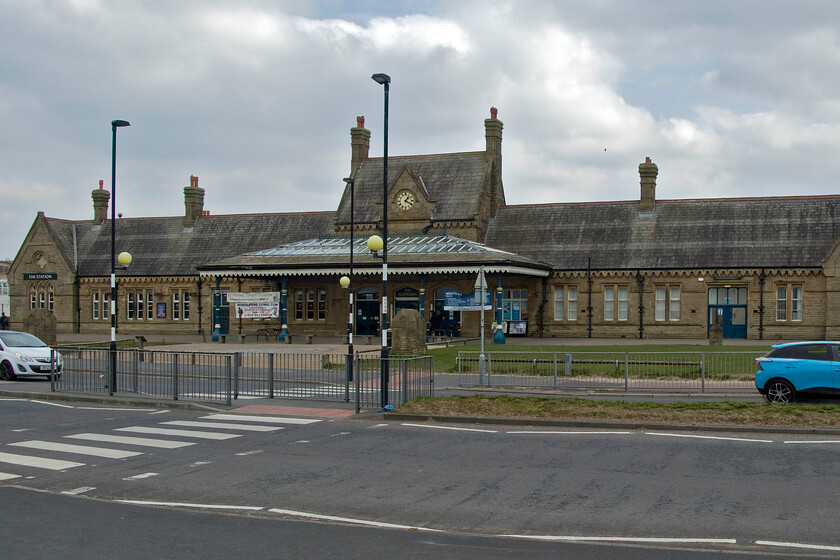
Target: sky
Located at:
point(731, 98)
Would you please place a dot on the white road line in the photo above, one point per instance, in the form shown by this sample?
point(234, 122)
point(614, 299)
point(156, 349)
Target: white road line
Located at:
point(267, 419)
point(52, 404)
point(8, 476)
point(77, 491)
point(799, 545)
point(660, 540)
point(179, 433)
point(709, 437)
point(143, 442)
point(109, 408)
point(223, 426)
point(813, 441)
point(77, 449)
point(141, 476)
point(351, 520)
point(378, 426)
point(451, 428)
point(592, 433)
point(188, 505)
point(38, 462)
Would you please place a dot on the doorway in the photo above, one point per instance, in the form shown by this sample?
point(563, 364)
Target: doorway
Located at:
point(728, 309)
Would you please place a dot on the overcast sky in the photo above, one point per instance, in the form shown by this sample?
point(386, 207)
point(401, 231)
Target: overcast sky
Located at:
point(257, 98)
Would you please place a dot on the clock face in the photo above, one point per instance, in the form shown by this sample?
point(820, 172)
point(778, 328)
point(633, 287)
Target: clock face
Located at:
point(405, 200)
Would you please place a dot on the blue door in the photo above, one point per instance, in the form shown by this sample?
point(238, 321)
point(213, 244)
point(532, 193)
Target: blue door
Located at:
point(728, 309)
point(367, 312)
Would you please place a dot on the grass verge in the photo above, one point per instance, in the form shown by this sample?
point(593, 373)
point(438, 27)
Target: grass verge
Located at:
point(729, 413)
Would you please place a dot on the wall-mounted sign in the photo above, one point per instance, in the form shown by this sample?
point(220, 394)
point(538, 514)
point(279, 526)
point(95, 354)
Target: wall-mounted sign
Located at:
point(40, 276)
point(253, 297)
point(161, 311)
point(258, 310)
point(456, 301)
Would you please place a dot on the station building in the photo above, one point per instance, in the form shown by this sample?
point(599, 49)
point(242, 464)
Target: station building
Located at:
point(758, 268)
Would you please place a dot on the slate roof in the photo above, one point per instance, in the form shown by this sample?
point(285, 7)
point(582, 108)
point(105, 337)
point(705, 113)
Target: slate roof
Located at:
point(163, 247)
point(407, 253)
point(784, 232)
point(453, 180)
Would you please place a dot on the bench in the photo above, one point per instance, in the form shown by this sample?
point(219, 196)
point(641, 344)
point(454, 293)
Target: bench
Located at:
point(360, 339)
point(268, 333)
point(239, 337)
point(307, 338)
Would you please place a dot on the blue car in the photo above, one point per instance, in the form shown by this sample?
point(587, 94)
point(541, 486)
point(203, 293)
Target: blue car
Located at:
point(799, 369)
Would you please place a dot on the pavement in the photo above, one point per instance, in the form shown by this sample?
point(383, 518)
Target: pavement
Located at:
point(41, 390)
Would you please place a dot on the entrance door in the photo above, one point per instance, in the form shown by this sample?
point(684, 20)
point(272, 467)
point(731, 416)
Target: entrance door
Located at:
point(223, 309)
point(728, 309)
point(367, 312)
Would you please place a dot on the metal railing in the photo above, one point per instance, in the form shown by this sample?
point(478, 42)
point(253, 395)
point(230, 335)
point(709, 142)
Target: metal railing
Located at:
point(616, 371)
point(224, 377)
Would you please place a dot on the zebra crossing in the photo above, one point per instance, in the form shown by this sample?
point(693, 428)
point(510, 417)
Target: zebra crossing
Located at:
point(172, 434)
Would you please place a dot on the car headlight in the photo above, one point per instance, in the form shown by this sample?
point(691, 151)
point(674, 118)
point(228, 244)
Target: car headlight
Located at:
point(23, 357)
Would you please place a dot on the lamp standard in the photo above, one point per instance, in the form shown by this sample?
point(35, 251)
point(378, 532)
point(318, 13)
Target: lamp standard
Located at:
point(480, 290)
point(347, 282)
point(385, 80)
point(112, 382)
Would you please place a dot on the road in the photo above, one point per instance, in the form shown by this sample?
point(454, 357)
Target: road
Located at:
point(666, 490)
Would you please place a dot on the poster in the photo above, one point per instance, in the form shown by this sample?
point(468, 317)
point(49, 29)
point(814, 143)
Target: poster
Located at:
point(161, 311)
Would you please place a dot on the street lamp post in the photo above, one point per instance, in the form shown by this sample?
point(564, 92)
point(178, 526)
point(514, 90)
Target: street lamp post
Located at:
point(481, 289)
point(385, 80)
point(347, 282)
point(112, 381)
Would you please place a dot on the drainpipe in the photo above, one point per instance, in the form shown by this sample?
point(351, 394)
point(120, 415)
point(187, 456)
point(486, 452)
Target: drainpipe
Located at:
point(641, 281)
point(589, 304)
point(541, 315)
point(200, 324)
point(761, 279)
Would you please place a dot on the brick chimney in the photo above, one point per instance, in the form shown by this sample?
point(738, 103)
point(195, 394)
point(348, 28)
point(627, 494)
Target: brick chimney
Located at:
point(359, 144)
point(647, 174)
point(193, 202)
point(100, 204)
point(493, 142)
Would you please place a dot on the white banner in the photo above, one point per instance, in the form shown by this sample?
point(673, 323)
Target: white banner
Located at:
point(253, 297)
point(258, 310)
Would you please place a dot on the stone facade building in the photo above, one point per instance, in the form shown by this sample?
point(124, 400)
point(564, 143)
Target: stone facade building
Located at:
point(760, 268)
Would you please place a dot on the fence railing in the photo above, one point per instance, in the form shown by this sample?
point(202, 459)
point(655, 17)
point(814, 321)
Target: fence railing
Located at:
point(224, 377)
point(621, 371)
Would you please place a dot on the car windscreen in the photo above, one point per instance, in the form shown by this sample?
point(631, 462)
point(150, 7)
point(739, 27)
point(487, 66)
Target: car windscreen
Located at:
point(20, 340)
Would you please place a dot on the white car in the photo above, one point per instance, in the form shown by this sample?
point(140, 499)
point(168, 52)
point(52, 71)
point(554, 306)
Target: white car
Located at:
point(24, 355)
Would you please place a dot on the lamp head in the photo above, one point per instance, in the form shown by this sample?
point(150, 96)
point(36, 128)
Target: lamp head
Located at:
point(119, 123)
point(344, 281)
point(374, 243)
point(124, 258)
point(349, 180)
point(382, 79)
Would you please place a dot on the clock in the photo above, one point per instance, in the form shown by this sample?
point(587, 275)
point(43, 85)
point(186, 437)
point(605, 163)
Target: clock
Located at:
point(405, 200)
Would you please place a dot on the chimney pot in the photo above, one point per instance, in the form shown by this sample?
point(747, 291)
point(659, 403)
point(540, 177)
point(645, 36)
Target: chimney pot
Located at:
point(360, 121)
point(101, 183)
point(647, 175)
point(494, 113)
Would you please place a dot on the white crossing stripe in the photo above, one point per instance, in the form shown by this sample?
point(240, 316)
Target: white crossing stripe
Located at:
point(38, 462)
point(267, 419)
point(78, 449)
point(181, 433)
point(128, 440)
point(223, 426)
point(7, 476)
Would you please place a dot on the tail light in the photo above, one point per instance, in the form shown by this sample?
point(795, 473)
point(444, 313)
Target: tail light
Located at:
point(761, 360)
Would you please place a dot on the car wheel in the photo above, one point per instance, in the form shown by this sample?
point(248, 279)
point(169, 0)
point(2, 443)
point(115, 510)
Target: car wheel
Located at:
point(779, 390)
point(7, 372)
